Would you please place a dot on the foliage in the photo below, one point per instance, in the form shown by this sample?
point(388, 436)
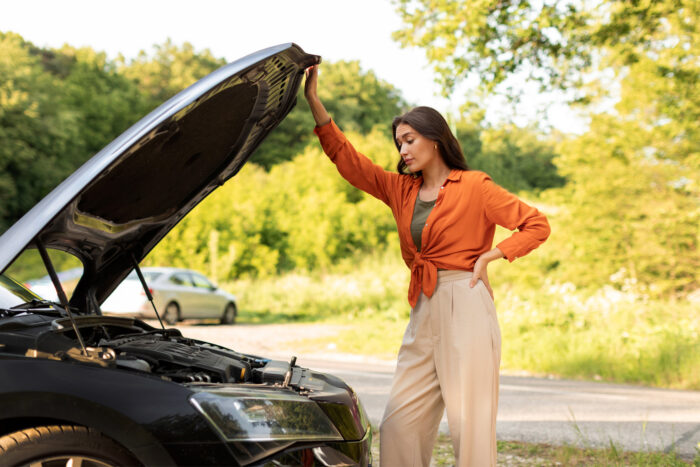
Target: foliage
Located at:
point(629, 213)
point(168, 69)
point(632, 198)
point(300, 214)
point(29, 266)
point(357, 100)
point(623, 199)
point(548, 327)
point(550, 41)
point(363, 289)
point(514, 157)
point(57, 107)
point(634, 194)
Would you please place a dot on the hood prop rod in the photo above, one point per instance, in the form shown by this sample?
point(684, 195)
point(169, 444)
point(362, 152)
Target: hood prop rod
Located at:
point(288, 374)
point(146, 289)
point(60, 292)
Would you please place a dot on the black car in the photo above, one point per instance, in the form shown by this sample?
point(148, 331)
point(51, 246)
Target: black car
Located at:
point(79, 388)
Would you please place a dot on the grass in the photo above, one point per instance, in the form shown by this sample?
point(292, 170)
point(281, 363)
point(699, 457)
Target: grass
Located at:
point(516, 453)
point(615, 334)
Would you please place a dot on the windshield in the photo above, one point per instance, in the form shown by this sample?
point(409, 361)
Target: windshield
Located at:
point(29, 270)
point(12, 293)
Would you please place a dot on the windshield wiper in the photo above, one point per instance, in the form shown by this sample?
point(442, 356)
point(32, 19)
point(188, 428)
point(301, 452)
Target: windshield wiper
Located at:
point(27, 309)
point(34, 303)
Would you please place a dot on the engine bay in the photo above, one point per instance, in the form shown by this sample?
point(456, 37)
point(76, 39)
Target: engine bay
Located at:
point(129, 344)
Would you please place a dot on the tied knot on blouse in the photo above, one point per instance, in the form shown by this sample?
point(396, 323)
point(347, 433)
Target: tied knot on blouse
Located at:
point(423, 277)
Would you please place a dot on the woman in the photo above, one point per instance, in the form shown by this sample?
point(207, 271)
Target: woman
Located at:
point(446, 216)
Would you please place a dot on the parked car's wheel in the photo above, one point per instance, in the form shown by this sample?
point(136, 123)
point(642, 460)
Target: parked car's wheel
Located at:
point(62, 445)
point(230, 313)
point(171, 314)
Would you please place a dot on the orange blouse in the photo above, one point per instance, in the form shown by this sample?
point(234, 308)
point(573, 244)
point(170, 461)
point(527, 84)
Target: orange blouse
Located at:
point(461, 225)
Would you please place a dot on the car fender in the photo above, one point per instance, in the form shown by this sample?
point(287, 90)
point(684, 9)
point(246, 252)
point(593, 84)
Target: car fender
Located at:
point(141, 412)
point(53, 409)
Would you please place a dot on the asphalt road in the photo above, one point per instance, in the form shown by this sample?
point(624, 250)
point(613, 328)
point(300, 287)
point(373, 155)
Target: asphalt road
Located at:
point(560, 411)
point(530, 409)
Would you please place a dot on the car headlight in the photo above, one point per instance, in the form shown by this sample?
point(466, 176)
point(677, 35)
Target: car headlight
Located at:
point(256, 414)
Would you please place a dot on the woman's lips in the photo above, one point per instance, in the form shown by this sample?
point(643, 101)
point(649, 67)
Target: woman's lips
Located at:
point(408, 161)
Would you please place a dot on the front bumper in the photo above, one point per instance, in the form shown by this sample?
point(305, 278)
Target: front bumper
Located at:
point(345, 453)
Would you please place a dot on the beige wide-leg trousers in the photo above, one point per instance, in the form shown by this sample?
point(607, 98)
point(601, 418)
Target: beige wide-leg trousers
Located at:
point(449, 358)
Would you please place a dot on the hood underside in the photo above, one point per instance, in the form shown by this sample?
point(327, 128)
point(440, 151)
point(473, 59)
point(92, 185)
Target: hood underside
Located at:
point(115, 208)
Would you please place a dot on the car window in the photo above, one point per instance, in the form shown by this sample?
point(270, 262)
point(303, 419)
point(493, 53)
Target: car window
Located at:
point(201, 282)
point(180, 279)
point(150, 276)
point(29, 270)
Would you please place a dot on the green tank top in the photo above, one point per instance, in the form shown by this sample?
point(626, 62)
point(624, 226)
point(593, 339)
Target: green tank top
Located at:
point(420, 215)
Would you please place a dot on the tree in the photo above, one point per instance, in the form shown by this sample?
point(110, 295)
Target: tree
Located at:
point(630, 203)
point(551, 41)
point(58, 107)
point(357, 100)
point(30, 124)
point(168, 69)
point(299, 214)
point(515, 158)
point(629, 216)
point(102, 101)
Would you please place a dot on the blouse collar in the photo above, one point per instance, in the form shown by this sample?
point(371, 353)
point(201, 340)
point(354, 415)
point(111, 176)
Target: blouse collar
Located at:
point(454, 176)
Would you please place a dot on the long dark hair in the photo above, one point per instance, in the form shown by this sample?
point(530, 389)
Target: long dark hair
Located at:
point(430, 124)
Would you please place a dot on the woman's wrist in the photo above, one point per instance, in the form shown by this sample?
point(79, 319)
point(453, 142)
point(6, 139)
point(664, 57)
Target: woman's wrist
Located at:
point(493, 255)
point(321, 116)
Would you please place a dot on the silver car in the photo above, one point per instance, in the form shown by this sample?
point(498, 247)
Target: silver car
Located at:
point(177, 294)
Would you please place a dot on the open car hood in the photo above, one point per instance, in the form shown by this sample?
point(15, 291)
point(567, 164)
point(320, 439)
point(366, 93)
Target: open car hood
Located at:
point(125, 199)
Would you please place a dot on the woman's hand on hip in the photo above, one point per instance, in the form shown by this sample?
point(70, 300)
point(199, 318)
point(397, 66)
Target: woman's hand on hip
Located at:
point(480, 269)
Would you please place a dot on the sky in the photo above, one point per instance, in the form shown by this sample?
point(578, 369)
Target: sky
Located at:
point(336, 30)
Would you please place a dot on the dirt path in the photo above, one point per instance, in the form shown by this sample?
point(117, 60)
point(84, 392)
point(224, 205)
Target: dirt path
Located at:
point(261, 339)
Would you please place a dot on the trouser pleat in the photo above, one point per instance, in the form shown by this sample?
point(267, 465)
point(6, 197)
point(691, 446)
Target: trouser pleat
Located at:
point(449, 358)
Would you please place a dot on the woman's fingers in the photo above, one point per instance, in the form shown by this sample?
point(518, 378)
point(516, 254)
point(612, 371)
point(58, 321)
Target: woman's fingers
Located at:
point(480, 273)
point(321, 116)
point(311, 81)
point(476, 273)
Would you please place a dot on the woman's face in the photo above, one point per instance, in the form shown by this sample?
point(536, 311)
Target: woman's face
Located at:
point(417, 151)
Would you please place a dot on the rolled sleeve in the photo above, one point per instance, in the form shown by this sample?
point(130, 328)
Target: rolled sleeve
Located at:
point(356, 168)
point(507, 210)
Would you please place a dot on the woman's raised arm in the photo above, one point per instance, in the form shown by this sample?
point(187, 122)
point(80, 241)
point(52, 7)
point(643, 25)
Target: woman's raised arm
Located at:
point(357, 169)
point(310, 87)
